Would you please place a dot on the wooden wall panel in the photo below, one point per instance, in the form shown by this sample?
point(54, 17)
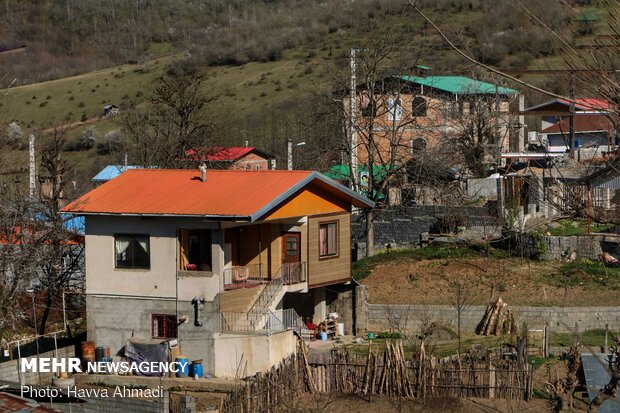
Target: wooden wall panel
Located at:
point(334, 269)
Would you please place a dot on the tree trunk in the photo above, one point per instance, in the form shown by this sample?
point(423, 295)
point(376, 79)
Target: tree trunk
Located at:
point(370, 233)
point(46, 312)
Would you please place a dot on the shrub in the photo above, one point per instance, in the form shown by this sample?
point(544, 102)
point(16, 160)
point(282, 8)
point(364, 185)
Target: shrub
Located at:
point(112, 142)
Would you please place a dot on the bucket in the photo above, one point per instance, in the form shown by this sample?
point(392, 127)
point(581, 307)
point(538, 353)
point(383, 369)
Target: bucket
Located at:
point(88, 351)
point(195, 369)
point(182, 366)
point(98, 353)
point(341, 329)
point(323, 336)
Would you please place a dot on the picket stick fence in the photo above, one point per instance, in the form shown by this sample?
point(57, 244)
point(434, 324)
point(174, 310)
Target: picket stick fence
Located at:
point(385, 372)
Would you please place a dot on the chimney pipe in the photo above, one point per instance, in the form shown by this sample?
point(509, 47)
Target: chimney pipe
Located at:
point(203, 172)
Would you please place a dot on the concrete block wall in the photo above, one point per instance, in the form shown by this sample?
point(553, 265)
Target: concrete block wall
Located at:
point(119, 319)
point(561, 247)
point(9, 370)
point(384, 317)
point(116, 405)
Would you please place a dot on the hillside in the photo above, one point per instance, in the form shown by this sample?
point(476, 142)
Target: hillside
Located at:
point(270, 99)
point(428, 276)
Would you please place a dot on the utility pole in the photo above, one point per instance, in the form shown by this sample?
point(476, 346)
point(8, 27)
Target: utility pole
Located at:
point(289, 155)
point(352, 124)
point(571, 119)
point(32, 168)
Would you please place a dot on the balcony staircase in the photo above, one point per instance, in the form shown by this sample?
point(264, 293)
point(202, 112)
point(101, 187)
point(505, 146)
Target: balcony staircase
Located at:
point(260, 318)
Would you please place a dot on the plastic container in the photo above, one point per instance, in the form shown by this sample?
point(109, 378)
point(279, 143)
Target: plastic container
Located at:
point(341, 329)
point(323, 336)
point(99, 353)
point(195, 369)
point(182, 366)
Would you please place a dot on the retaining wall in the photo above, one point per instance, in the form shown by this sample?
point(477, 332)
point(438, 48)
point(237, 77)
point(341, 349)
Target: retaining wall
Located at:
point(116, 405)
point(385, 317)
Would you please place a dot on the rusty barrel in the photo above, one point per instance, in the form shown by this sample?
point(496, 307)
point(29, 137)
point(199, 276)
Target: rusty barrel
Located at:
point(88, 351)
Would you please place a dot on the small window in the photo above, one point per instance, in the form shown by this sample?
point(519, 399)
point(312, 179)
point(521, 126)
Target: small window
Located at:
point(132, 251)
point(418, 106)
point(395, 109)
point(370, 110)
point(291, 246)
point(328, 239)
point(163, 326)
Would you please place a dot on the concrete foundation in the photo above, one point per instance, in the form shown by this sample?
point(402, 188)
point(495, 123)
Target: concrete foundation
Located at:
point(242, 355)
point(112, 321)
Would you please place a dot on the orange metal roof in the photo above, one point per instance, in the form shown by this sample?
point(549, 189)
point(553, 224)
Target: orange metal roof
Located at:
point(235, 194)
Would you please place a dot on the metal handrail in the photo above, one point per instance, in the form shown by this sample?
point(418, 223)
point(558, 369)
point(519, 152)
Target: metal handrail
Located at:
point(266, 322)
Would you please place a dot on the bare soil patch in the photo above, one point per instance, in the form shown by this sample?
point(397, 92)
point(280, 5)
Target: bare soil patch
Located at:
point(308, 403)
point(516, 281)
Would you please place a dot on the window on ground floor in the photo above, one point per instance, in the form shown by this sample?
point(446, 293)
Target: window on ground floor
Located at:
point(163, 326)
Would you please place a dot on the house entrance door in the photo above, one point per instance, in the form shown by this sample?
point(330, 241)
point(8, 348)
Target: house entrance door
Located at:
point(291, 257)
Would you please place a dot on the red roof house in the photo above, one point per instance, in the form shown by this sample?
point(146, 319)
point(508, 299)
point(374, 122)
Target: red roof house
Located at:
point(236, 158)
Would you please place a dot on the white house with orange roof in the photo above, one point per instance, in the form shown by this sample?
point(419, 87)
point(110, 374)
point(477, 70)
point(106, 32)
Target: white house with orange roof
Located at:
point(228, 263)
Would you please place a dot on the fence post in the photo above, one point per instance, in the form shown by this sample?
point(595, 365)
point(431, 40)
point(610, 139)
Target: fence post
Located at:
point(492, 380)
point(19, 361)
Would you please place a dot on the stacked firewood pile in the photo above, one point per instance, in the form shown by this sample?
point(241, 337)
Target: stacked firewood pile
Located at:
point(498, 319)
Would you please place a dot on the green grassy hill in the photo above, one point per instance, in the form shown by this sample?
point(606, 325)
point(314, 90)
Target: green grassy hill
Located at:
point(260, 101)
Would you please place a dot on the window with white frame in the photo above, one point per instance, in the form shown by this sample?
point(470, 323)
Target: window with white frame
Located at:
point(395, 109)
point(328, 239)
point(132, 251)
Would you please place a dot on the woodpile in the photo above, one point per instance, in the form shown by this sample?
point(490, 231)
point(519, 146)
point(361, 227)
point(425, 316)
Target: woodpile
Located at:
point(498, 319)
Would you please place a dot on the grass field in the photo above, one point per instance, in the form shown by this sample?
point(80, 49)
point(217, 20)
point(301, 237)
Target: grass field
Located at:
point(424, 275)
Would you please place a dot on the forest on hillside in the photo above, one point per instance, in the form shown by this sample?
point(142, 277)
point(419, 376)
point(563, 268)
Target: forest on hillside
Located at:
point(66, 37)
point(271, 64)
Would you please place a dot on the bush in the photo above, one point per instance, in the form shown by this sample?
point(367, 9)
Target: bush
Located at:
point(112, 142)
point(85, 142)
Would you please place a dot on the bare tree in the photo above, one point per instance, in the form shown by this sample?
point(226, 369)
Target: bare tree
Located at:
point(176, 120)
point(562, 388)
point(61, 251)
point(380, 123)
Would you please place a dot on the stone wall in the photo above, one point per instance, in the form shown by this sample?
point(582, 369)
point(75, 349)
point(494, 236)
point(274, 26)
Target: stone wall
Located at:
point(403, 227)
point(384, 317)
point(561, 247)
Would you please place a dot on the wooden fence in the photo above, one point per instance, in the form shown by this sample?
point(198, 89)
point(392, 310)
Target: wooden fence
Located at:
point(386, 372)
